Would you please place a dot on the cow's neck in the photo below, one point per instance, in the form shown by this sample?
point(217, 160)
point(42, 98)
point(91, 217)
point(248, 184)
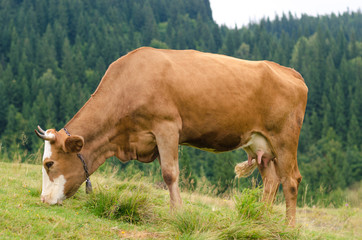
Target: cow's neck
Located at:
point(94, 124)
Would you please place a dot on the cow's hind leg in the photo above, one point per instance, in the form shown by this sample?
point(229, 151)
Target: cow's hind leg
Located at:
point(287, 170)
point(271, 182)
point(290, 184)
point(167, 138)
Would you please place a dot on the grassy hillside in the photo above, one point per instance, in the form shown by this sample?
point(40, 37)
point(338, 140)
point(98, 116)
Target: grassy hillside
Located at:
point(137, 209)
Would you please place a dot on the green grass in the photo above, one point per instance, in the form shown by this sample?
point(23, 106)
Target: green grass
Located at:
point(135, 208)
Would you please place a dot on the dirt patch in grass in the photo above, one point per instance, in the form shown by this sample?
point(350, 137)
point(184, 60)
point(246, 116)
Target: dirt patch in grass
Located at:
point(133, 234)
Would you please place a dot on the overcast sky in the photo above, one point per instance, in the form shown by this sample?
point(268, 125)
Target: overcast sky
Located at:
point(241, 12)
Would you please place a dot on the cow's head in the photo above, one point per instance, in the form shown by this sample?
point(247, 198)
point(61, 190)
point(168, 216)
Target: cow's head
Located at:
point(63, 172)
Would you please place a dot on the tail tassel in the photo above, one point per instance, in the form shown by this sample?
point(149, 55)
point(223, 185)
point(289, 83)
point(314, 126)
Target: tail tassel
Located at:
point(244, 169)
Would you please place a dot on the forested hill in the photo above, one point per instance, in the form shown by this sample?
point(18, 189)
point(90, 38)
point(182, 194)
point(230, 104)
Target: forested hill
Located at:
point(54, 53)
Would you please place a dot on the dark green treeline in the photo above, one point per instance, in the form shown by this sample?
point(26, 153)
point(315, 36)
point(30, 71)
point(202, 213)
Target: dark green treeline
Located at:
point(53, 54)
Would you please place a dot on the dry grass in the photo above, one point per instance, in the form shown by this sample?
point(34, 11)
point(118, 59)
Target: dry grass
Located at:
point(344, 223)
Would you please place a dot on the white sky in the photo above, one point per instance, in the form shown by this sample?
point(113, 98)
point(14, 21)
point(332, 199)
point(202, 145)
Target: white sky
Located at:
point(241, 12)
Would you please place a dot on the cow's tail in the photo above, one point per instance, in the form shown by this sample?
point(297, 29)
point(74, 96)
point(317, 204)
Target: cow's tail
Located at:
point(244, 170)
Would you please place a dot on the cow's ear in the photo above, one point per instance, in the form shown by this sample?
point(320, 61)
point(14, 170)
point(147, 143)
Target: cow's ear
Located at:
point(73, 144)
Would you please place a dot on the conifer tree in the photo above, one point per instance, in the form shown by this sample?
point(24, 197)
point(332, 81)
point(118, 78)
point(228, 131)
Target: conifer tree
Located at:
point(3, 105)
point(354, 132)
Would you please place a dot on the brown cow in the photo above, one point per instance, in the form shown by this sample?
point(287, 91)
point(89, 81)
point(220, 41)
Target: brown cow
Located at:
point(150, 101)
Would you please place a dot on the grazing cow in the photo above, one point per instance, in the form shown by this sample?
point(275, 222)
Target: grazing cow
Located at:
point(150, 101)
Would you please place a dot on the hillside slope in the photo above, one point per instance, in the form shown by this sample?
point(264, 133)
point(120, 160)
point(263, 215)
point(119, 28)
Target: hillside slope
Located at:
point(135, 209)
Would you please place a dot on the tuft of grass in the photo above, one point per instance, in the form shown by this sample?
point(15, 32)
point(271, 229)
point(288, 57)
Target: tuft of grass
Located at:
point(127, 201)
point(244, 229)
point(248, 204)
point(192, 219)
point(256, 219)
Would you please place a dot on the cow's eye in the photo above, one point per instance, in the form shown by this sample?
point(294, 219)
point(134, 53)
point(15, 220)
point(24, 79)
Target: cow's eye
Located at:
point(49, 164)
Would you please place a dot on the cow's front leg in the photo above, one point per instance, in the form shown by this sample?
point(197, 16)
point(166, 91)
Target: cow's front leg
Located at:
point(170, 174)
point(167, 138)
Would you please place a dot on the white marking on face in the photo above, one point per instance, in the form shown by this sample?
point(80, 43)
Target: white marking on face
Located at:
point(52, 191)
point(47, 148)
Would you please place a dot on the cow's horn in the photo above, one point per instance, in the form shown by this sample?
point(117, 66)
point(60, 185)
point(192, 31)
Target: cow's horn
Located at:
point(42, 135)
point(41, 130)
